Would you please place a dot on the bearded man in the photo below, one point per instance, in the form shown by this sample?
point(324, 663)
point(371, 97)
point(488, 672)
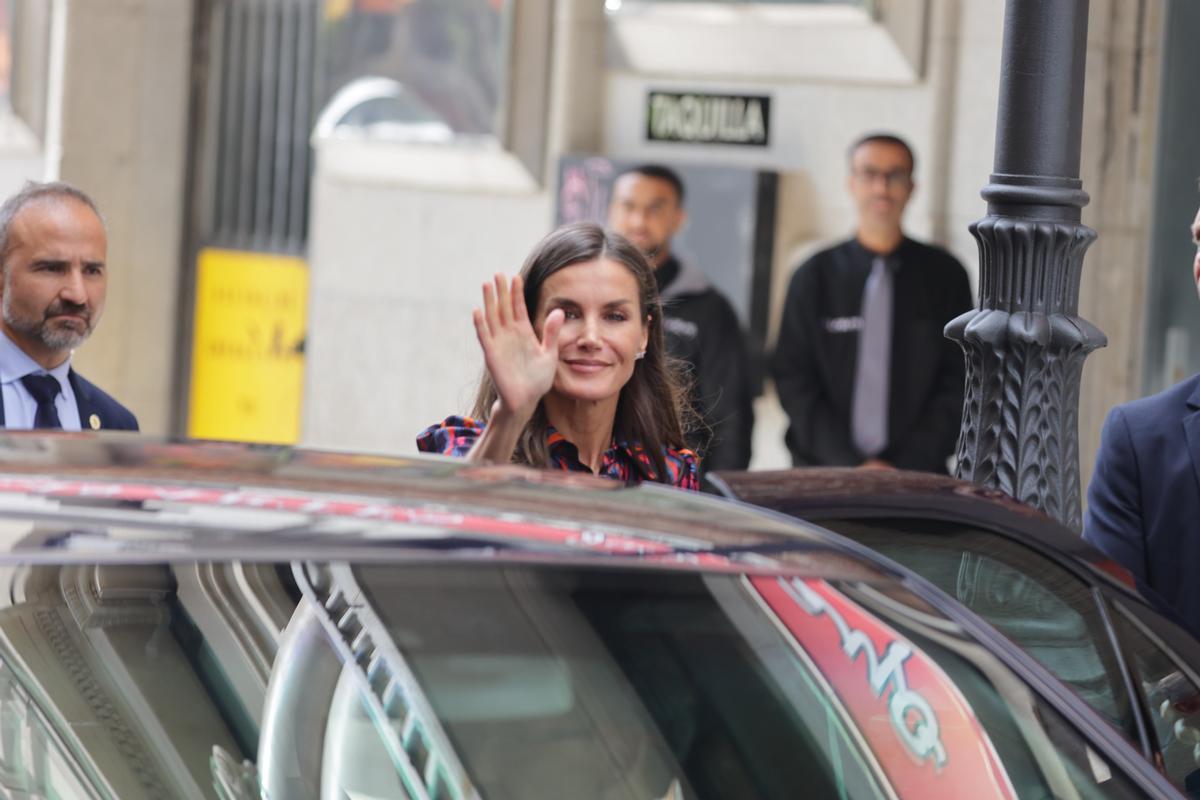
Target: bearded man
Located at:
point(53, 247)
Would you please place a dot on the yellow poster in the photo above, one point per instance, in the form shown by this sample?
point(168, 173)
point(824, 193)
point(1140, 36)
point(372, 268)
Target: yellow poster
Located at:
point(248, 347)
point(336, 9)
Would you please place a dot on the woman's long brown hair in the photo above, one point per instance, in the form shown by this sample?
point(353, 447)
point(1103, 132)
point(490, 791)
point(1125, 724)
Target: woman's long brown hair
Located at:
point(652, 408)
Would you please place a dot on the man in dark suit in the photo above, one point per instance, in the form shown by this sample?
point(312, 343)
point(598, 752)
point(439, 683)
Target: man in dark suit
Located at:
point(861, 365)
point(1144, 498)
point(53, 248)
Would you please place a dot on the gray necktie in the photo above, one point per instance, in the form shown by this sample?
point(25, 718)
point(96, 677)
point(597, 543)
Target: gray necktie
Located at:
point(869, 420)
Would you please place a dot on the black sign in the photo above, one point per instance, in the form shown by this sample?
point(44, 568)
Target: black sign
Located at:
point(701, 118)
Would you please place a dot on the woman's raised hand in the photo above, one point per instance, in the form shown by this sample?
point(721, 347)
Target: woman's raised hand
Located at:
point(521, 366)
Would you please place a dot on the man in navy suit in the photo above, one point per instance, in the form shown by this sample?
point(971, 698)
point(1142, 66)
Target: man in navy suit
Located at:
point(53, 248)
point(1144, 498)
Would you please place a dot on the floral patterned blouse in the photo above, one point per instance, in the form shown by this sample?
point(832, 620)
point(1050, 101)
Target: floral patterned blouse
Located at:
point(625, 461)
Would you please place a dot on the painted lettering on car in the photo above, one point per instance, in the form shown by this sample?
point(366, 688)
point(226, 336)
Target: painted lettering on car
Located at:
point(922, 734)
point(900, 705)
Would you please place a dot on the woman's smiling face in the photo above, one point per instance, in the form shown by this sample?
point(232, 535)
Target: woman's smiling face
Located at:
point(604, 327)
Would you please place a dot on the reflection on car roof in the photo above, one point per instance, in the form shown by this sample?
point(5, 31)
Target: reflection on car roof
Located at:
point(129, 493)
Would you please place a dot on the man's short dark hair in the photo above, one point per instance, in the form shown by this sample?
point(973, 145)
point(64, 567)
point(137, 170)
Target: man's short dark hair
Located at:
point(659, 171)
point(33, 192)
point(883, 137)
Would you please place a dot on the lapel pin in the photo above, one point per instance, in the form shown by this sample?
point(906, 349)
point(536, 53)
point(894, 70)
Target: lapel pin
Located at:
point(94, 421)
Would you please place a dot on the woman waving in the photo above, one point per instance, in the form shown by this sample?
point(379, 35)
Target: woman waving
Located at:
point(577, 374)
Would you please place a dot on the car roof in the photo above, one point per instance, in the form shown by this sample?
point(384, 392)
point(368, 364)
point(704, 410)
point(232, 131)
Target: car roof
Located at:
point(828, 493)
point(116, 496)
point(822, 486)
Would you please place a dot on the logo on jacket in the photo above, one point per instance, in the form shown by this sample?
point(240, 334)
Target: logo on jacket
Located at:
point(843, 324)
point(681, 327)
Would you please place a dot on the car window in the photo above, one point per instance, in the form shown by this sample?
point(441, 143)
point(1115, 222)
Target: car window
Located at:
point(604, 675)
point(1046, 610)
point(1172, 697)
point(707, 693)
point(329, 680)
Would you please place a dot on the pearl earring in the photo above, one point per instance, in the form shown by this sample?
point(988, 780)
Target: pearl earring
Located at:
point(640, 355)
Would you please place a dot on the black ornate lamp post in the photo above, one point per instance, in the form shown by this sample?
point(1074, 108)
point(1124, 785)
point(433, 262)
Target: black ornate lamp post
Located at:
point(1025, 345)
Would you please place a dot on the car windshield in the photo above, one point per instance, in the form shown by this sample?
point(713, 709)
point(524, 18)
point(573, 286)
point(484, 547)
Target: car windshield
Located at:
point(451, 680)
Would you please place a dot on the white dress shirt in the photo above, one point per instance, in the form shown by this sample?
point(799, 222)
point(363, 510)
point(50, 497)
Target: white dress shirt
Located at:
point(19, 405)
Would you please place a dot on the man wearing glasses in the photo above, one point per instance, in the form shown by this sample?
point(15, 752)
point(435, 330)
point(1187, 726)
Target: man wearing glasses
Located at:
point(861, 365)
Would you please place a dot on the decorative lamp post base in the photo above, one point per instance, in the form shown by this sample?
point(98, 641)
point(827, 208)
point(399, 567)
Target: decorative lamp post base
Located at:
point(1025, 349)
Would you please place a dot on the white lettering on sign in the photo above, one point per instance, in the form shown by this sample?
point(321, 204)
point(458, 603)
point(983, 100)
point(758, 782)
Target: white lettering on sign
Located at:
point(911, 715)
point(708, 118)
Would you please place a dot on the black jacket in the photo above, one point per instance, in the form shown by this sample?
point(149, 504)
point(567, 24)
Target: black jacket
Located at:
point(702, 330)
point(817, 352)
